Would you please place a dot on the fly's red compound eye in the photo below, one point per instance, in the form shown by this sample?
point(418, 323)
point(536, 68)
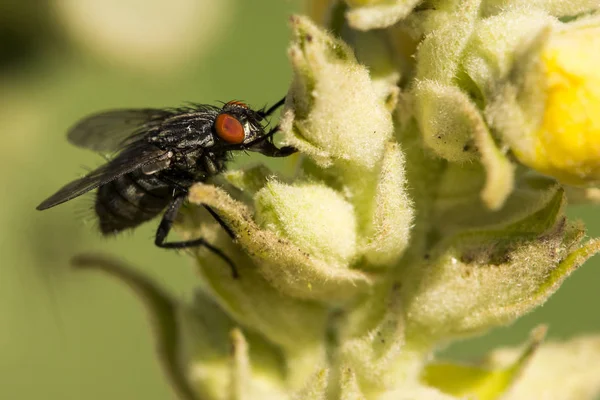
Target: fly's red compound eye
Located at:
point(230, 129)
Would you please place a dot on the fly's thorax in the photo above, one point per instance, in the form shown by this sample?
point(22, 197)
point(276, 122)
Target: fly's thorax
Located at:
point(186, 130)
point(186, 134)
point(211, 164)
point(200, 163)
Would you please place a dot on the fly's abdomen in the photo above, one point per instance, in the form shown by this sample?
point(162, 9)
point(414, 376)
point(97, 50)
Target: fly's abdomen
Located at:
point(130, 200)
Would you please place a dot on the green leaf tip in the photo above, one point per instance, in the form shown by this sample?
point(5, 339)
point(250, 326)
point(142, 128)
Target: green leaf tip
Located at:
point(480, 381)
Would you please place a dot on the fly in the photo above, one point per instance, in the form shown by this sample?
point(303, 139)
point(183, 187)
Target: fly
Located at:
point(159, 155)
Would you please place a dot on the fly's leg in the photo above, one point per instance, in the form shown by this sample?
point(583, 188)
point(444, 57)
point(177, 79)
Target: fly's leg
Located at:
point(220, 221)
point(183, 191)
point(264, 145)
point(272, 150)
point(165, 227)
point(272, 109)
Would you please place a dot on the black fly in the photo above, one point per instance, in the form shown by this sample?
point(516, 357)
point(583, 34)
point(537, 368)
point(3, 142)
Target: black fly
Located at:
point(160, 153)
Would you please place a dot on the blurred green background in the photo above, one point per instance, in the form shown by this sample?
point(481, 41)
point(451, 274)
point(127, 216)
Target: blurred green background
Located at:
point(74, 335)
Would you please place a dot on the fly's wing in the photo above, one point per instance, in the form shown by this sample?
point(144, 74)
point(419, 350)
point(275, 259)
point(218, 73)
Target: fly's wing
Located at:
point(131, 158)
point(112, 130)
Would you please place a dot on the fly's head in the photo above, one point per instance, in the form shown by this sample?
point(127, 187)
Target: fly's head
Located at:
point(237, 126)
point(241, 128)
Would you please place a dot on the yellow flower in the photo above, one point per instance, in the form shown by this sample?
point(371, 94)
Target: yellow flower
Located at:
point(567, 143)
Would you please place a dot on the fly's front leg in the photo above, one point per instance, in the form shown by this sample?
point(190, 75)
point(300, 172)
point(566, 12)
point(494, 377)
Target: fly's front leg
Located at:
point(264, 143)
point(266, 147)
point(167, 223)
point(271, 109)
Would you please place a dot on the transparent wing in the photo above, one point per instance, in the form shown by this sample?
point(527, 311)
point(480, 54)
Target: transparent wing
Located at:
point(111, 130)
point(130, 159)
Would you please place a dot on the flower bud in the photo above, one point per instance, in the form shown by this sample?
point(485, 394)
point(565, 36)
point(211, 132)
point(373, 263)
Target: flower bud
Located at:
point(278, 255)
point(313, 217)
point(377, 14)
point(566, 145)
point(545, 102)
point(387, 232)
point(335, 114)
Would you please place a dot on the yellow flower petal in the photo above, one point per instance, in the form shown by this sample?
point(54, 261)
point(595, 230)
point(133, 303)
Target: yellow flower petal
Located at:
point(568, 141)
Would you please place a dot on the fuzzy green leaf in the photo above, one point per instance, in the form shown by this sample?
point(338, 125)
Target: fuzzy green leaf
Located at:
point(482, 279)
point(558, 8)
